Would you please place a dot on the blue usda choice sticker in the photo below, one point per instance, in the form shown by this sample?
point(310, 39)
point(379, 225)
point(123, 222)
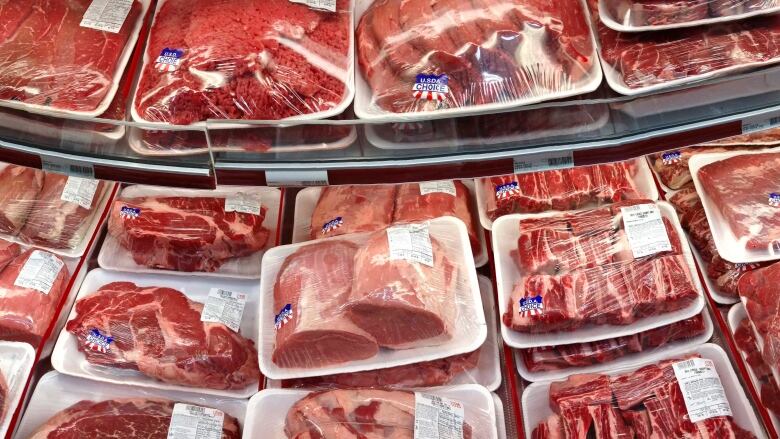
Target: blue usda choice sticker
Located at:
point(284, 316)
point(332, 225)
point(431, 87)
point(129, 212)
point(671, 157)
point(507, 190)
point(98, 342)
point(169, 60)
point(531, 306)
point(774, 199)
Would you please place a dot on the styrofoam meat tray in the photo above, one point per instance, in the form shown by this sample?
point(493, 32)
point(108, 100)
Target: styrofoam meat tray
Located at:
point(115, 79)
point(500, 420)
point(56, 392)
point(505, 236)
point(468, 334)
point(624, 361)
point(367, 110)
point(536, 397)
point(488, 370)
point(113, 256)
point(268, 409)
point(348, 75)
point(67, 359)
point(16, 365)
point(731, 247)
point(644, 182)
point(736, 315)
point(306, 201)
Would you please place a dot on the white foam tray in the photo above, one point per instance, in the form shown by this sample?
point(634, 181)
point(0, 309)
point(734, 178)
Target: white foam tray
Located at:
point(113, 256)
point(367, 110)
point(115, 79)
point(536, 397)
point(306, 201)
point(16, 365)
point(731, 247)
point(348, 75)
point(505, 236)
point(67, 359)
point(644, 182)
point(468, 334)
point(625, 361)
point(268, 409)
point(56, 392)
point(500, 420)
point(625, 26)
point(736, 315)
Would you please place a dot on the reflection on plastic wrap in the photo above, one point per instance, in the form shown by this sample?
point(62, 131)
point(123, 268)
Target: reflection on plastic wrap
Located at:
point(759, 290)
point(672, 166)
point(426, 56)
point(746, 342)
point(21, 186)
point(663, 12)
point(158, 332)
point(287, 60)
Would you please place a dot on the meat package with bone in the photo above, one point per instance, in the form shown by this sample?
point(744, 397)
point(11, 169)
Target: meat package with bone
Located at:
point(581, 270)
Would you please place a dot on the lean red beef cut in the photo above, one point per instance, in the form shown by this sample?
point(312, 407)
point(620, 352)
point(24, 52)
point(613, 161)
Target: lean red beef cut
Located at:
point(359, 413)
point(655, 12)
point(288, 60)
point(58, 223)
point(760, 290)
point(745, 190)
point(31, 287)
point(8, 251)
point(745, 339)
point(136, 418)
point(311, 290)
point(185, 233)
point(158, 332)
point(20, 189)
point(351, 209)
point(48, 58)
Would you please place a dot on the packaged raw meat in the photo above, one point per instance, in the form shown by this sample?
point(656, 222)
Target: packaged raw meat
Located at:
point(478, 56)
point(21, 186)
point(693, 394)
point(223, 230)
point(759, 290)
point(364, 301)
point(593, 274)
point(564, 189)
point(93, 409)
point(401, 414)
point(163, 331)
point(671, 166)
point(289, 60)
point(65, 56)
point(656, 15)
point(349, 209)
point(16, 365)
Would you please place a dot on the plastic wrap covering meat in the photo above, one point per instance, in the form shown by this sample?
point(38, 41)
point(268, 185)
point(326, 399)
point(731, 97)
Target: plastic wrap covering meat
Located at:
point(129, 418)
point(422, 56)
point(31, 286)
point(3, 397)
point(746, 342)
point(288, 60)
point(52, 59)
point(349, 209)
point(654, 13)
point(566, 189)
point(587, 354)
point(649, 402)
point(744, 190)
point(759, 290)
point(672, 166)
point(20, 189)
point(583, 270)
point(189, 232)
point(158, 332)
point(17, 361)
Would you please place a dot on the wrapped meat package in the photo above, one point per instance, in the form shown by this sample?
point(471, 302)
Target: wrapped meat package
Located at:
point(418, 57)
point(640, 15)
point(372, 300)
point(671, 166)
point(245, 59)
point(17, 361)
point(759, 290)
point(65, 55)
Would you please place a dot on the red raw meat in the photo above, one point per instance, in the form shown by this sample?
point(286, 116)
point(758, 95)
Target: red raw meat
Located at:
point(25, 313)
point(655, 12)
point(8, 251)
point(49, 59)
point(185, 233)
point(745, 338)
point(350, 209)
point(158, 332)
point(135, 418)
point(3, 393)
point(401, 303)
point(287, 60)
point(740, 186)
point(672, 166)
point(723, 8)
point(770, 396)
point(56, 223)
point(760, 290)
point(20, 189)
point(316, 282)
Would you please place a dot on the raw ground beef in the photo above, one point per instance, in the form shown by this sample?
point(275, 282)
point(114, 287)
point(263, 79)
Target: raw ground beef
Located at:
point(245, 59)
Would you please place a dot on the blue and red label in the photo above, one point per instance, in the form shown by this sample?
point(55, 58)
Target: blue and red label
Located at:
point(332, 225)
point(507, 190)
point(774, 199)
point(99, 342)
point(129, 212)
point(530, 306)
point(169, 60)
point(284, 316)
point(671, 157)
point(431, 87)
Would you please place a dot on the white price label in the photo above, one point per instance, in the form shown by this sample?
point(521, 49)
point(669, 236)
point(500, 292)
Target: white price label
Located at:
point(432, 187)
point(107, 15)
point(39, 272)
point(242, 203)
point(67, 167)
point(544, 161)
point(645, 230)
point(759, 123)
point(436, 417)
point(701, 388)
point(226, 307)
point(410, 242)
point(328, 5)
point(80, 191)
point(296, 178)
point(195, 422)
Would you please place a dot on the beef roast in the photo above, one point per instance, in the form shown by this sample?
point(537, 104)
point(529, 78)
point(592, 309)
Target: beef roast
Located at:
point(350, 209)
point(8, 251)
point(20, 189)
point(158, 331)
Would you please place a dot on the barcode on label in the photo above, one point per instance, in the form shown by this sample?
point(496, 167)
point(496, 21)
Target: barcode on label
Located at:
point(294, 178)
point(67, 167)
point(560, 161)
point(545, 161)
point(686, 364)
point(754, 125)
